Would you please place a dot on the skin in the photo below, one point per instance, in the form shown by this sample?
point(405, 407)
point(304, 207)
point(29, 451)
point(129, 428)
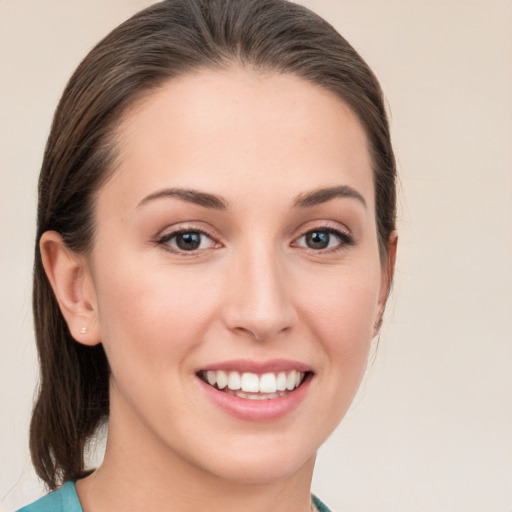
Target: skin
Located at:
point(254, 290)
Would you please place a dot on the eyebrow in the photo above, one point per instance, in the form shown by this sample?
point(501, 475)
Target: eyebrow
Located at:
point(191, 196)
point(323, 195)
point(304, 200)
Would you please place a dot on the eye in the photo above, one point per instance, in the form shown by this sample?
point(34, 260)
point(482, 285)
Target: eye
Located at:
point(187, 241)
point(324, 239)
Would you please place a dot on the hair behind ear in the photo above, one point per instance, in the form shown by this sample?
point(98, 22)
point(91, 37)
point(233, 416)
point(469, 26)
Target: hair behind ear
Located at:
point(73, 390)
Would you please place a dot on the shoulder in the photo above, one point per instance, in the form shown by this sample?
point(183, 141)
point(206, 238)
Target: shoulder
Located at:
point(64, 499)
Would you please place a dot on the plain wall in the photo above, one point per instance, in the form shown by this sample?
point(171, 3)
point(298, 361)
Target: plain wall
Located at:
point(431, 428)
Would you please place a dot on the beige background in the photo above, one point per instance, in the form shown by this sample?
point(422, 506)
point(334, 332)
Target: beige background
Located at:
point(431, 429)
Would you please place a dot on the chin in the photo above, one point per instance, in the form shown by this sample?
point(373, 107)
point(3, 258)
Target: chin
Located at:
point(260, 459)
point(264, 470)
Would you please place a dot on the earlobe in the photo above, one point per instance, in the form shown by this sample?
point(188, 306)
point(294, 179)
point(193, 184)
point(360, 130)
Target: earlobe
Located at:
point(72, 285)
point(388, 270)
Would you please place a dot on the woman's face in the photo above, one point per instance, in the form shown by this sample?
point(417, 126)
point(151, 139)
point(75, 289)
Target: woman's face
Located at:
point(236, 244)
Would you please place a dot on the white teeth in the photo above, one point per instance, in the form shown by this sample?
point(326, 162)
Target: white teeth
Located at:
point(250, 382)
point(234, 381)
point(211, 377)
point(281, 381)
point(253, 386)
point(256, 396)
point(268, 383)
point(290, 380)
point(222, 379)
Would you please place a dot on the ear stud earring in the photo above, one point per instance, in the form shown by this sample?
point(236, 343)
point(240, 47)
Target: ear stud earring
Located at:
point(83, 330)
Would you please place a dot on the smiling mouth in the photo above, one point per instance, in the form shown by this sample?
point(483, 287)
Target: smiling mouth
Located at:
point(253, 386)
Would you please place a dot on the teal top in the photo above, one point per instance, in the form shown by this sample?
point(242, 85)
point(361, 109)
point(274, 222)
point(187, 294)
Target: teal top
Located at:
point(65, 499)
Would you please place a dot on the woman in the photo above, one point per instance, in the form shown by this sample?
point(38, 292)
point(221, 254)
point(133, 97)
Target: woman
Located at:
point(215, 248)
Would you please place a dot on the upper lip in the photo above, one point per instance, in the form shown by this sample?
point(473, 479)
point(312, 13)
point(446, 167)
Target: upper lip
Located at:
point(260, 367)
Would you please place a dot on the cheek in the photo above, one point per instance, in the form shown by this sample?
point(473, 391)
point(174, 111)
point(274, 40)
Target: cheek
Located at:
point(151, 313)
point(342, 308)
point(339, 312)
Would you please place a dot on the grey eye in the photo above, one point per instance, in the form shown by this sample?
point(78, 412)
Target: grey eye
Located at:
point(318, 239)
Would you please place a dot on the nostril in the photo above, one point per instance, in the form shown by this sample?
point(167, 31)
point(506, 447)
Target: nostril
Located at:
point(262, 332)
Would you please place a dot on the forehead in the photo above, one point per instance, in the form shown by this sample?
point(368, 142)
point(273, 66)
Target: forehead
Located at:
point(217, 130)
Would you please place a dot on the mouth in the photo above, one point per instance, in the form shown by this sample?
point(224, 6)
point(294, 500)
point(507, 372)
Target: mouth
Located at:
point(254, 386)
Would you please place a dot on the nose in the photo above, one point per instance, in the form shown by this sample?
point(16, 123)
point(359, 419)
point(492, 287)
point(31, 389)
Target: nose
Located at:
point(260, 296)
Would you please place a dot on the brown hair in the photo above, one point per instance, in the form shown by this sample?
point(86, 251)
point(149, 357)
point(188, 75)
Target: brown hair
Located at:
point(163, 41)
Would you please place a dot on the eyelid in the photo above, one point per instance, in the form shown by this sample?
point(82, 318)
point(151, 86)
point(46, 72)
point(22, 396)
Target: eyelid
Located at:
point(167, 234)
point(327, 225)
point(341, 231)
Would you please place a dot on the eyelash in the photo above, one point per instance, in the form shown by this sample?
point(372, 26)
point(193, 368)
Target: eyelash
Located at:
point(165, 239)
point(345, 239)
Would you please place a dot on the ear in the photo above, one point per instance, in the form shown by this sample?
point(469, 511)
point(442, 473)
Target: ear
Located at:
point(388, 270)
point(72, 285)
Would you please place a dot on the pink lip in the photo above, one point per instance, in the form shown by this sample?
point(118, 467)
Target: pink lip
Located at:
point(257, 410)
point(259, 367)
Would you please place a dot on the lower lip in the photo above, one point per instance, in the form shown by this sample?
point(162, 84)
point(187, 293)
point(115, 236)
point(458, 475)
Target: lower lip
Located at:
point(257, 410)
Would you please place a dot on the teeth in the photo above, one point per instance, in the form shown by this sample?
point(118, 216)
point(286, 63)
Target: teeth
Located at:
point(281, 381)
point(290, 380)
point(250, 382)
point(268, 383)
point(256, 396)
point(234, 381)
point(259, 387)
point(222, 379)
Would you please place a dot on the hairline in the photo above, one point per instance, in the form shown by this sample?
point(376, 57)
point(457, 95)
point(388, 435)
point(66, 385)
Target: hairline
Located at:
point(113, 143)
